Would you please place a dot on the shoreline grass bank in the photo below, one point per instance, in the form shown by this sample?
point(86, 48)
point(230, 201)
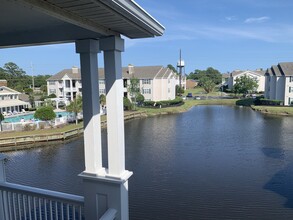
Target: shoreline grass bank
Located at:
point(274, 110)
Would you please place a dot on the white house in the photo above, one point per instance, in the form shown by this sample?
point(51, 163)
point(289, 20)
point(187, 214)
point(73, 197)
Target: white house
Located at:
point(9, 101)
point(279, 83)
point(256, 74)
point(156, 82)
point(65, 84)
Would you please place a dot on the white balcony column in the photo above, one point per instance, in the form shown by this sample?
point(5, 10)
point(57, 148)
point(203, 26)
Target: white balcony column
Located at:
point(71, 89)
point(112, 48)
point(64, 88)
point(116, 181)
point(88, 50)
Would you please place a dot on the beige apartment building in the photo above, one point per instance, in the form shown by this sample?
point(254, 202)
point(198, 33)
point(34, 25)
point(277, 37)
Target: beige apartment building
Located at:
point(156, 83)
point(259, 75)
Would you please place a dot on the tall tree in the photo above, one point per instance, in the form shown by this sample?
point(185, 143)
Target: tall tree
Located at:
point(210, 73)
point(13, 70)
point(207, 84)
point(245, 84)
point(75, 106)
point(15, 76)
point(171, 67)
point(134, 89)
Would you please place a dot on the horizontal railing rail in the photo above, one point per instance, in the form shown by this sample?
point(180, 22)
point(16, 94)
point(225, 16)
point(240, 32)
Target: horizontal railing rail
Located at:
point(110, 214)
point(18, 202)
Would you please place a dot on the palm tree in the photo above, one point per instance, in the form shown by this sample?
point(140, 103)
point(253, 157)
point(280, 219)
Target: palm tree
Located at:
point(75, 106)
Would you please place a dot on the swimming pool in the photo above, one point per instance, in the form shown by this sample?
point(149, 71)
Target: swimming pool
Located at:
point(29, 117)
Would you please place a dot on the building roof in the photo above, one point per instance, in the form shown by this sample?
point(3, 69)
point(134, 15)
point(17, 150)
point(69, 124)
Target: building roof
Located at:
point(72, 20)
point(7, 91)
point(11, 102)
point(256, 72)
point(140, 72)
point(269, 72)
point(286, 68)
point(276, 71)
point(282, 69)
point(225, 75)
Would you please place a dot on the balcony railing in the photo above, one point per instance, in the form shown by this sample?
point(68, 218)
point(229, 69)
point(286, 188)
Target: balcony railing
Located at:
point(19, 202)
point(28, 203)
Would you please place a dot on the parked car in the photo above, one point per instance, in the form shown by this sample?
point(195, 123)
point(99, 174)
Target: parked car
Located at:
point(189, 95)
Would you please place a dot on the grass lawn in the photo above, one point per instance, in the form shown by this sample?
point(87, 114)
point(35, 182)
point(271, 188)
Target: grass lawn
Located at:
point(275, 110)
point(45, 131)
point(199, 91)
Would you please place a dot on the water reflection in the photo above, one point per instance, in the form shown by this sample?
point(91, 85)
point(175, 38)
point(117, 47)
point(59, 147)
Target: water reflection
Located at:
point(212, 162)
point(282, 183)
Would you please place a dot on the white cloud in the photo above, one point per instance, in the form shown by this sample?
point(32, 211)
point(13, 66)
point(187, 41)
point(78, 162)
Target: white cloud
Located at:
point(256, 20)
point(231, 18)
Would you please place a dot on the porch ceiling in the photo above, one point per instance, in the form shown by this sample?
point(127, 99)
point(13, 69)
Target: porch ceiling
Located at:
point(31, 22)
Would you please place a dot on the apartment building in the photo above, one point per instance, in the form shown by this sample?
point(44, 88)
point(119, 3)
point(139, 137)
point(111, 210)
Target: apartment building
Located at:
point(279, 83)
point(156, 82)
point(259, 75)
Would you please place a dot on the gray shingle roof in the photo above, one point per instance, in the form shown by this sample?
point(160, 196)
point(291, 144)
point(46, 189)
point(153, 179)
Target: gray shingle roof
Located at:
point(68, 72)
point(140, 72)
point(276, 71)
point(286, 68)
point(269, 72)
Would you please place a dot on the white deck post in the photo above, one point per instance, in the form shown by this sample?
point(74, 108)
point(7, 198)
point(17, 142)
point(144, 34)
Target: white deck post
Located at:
point(112, 47)
point(88, 50)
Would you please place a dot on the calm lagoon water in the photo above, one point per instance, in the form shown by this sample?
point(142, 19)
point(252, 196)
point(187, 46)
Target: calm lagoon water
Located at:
point(212, 162)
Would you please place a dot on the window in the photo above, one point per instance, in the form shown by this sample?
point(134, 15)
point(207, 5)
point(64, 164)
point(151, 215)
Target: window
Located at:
point(290, 89)
point(146, 91)
point(146, 81)
point(102, 82)
point(52, 91)
point(67, 83)
point(291, 79)
point(168, 90)
point(102, 91)
point(73, 83)
point(51, 82)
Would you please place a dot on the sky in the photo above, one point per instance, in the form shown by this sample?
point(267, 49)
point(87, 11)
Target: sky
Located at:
point(223, 34)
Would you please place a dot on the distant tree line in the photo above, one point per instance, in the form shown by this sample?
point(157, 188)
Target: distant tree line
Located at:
point(18, 80)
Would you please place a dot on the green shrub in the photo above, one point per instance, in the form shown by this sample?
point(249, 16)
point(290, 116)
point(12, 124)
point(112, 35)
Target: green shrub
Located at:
point(165, 103)
point(45, 113)
point(245, 102)
point(127, 103)
point(268, 102)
